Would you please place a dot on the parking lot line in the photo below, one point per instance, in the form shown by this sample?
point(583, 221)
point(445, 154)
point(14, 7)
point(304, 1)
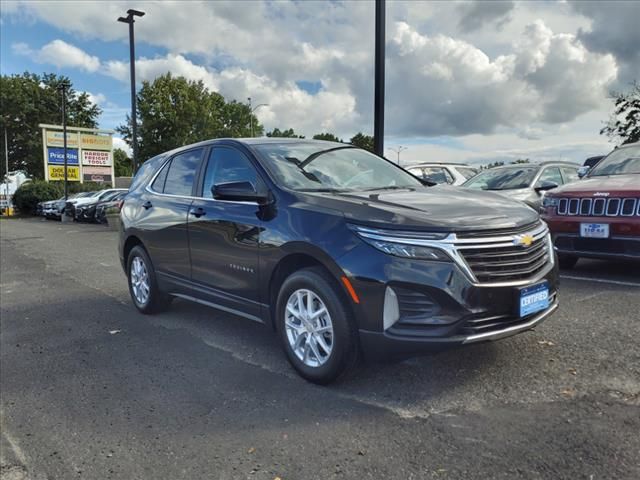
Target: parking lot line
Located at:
point(601, 280)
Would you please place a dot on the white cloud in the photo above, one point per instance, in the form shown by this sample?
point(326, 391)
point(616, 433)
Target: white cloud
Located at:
point(61, 54)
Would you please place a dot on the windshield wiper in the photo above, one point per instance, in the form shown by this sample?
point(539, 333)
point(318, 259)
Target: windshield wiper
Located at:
point(389, 187)
point(322, 190)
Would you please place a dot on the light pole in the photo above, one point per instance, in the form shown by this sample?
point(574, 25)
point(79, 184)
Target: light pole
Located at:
point(378, 101)
point(251, 110)
point(132, 66)
point(63, 88)
point(397, 150)
point(6, 163)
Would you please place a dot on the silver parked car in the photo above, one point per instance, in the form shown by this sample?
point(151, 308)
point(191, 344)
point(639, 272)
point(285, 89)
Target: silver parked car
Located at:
point(525, 182)
point(450, 173)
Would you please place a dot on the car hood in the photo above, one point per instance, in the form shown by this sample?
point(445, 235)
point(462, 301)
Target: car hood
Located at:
point(441, 208)
point(611, 185)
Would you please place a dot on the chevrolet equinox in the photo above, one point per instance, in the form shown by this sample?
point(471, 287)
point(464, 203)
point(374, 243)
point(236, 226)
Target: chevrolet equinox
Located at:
point(340, 251)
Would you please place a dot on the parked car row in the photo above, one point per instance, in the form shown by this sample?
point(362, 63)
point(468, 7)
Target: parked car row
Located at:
point(83, 206)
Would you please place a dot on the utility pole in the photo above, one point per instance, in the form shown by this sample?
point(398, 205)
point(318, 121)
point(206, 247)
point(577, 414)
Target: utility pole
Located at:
point(397, 150)
point(6, 171)
point(251, 111)
point(132, 66)
point(63, 87)
point(378, 102)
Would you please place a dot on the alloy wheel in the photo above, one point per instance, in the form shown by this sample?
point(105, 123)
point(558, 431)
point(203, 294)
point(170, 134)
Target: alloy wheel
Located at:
point(140, 281)
point(308, 327)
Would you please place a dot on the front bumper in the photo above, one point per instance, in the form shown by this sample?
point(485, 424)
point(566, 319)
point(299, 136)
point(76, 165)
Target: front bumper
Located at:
point(382, 345)
point(439, 305)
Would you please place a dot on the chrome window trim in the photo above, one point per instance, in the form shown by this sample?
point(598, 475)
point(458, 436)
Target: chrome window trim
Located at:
point(187, 197)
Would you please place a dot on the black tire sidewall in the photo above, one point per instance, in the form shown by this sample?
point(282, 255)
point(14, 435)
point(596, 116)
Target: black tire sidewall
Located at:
point(344, 348)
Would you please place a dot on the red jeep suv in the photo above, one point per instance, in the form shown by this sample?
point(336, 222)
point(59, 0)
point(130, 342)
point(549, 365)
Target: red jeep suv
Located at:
point(598, 216)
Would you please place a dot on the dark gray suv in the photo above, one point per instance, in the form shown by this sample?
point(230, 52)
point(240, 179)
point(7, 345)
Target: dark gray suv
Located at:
point(340, 251)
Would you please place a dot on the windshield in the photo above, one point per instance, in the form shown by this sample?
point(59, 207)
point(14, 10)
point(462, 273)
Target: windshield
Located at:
point(619, 162)
point(503, 178)
point(313, 167)
point(468, 172)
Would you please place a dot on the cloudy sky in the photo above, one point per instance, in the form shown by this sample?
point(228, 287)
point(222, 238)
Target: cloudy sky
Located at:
point(473, 82)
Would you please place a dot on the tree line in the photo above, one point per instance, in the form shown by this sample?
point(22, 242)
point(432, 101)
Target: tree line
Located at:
point(173, 111)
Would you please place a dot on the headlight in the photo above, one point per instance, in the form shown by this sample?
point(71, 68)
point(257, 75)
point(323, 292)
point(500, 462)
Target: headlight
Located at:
point(548, 201)
point(404, 244)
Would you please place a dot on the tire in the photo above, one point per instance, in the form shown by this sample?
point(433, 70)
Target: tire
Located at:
point(342, 337)
point(155, 300)
point(567, 262)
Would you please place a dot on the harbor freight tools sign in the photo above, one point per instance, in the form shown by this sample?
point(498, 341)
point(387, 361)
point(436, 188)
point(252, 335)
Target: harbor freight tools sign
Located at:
point(96, 174)
point(56, 156)
point(89, 154)
point(56, 172)
point(96, 158)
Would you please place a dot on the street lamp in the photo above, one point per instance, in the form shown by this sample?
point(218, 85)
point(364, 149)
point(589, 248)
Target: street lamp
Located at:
point(251, 113)
point(397, 150)
point(63, 86)
point(132, 66)
point(6, 164)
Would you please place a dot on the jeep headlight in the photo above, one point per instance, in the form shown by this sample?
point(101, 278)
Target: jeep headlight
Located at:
point(548, 201)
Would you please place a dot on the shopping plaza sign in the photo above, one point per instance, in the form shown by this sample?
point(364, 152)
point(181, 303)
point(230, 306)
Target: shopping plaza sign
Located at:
point(89, 154)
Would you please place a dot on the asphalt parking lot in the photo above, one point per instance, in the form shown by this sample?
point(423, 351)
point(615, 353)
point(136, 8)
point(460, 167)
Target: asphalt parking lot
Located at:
point(91, 389)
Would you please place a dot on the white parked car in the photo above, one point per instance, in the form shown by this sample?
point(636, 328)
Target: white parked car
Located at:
point(451, 173)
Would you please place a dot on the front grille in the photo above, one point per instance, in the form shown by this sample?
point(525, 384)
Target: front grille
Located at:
point(481, 324)
point(599, 207)
point(499, 231)
point(507, 258)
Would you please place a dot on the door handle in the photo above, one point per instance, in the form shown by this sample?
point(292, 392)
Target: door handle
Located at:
point(198, 212)
point(147, 205)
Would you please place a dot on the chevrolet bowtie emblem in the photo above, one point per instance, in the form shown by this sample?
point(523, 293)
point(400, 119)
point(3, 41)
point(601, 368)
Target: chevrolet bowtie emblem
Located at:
point(523, 240)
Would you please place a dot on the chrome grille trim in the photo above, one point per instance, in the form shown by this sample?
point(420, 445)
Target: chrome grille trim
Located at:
point(599, 207)
point(471, 254)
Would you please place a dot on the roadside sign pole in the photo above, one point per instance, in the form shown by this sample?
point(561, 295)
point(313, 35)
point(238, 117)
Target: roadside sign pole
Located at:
point(63, 86)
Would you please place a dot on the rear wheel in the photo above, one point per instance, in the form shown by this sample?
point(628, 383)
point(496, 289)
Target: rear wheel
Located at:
point(143, 286)
point(315, 326)
point(567, 261)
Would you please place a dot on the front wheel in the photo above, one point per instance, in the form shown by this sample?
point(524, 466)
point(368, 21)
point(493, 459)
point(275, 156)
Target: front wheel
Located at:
point(315, 326)
point(143, 286)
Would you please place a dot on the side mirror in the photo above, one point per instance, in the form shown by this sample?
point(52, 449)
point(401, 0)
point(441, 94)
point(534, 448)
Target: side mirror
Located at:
point(545, 185)
point(582, 171)
point(237, 191)
point(426, 182)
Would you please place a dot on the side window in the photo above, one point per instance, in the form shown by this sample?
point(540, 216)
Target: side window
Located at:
point(227, 165)
point(550, 174)
point(570, 175)
point(158, 183)
point(181, 173)
point(435, 174)
point(448, 175)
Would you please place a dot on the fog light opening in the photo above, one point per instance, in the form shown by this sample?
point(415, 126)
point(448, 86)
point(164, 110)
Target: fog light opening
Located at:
point(391, 312)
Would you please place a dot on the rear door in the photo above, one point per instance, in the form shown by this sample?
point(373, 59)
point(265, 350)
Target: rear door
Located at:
point(164, 207)
point(224, 236)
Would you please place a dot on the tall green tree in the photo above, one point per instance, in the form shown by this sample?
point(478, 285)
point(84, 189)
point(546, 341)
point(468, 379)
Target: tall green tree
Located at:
point(276, 132)
point(329, 137)
point(624, 124)
point(122, 164)
point(363, 141)
point(174, 111)
point(29, 99)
